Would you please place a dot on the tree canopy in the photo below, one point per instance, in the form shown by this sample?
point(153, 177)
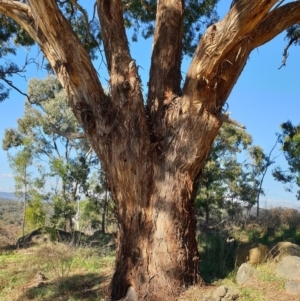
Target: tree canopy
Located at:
point(290, 144)
point(68, 159)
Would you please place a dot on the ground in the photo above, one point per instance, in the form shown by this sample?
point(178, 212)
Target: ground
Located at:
point(84, 274)
point(258, 291)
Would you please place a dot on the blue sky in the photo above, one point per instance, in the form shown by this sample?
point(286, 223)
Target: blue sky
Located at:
point(262, 99)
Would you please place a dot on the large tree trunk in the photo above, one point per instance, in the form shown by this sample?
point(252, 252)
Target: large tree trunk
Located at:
point(157, 250)
point(153, 155)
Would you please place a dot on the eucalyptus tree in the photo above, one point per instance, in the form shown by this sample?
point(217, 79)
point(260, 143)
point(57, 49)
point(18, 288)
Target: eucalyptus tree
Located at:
point(26, 187)
point(97, 210)
point(222, 169)
point(290, 145)
point(20, 164)
point(68, 157)
point(152, 150)
point(260, 166)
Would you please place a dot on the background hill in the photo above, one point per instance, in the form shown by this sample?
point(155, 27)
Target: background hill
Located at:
point(7, 195)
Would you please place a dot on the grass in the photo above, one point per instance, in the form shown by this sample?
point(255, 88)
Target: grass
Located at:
point(83, 274)
point(217, 263)
point(249, 294)
point(73, 274)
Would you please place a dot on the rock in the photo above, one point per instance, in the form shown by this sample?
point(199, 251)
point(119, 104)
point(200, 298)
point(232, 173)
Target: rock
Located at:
point(220, 292)
point(37, 236)
point(245, 274)
point(40, 277)
point(292, 288)
point(289, 268)
point(283, 249)
point(253, 253)
point(46, 234)
point(226, 293)
point(223, 293)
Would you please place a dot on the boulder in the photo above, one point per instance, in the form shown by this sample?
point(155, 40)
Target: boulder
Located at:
point(245, 274)
point(37, 236)
point(46, 234)
point(289, 268)
point(226, 293)
point(292, 288)
point(252, 253)
point(282, 249)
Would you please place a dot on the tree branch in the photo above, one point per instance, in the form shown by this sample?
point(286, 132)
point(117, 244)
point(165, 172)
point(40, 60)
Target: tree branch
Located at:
point(45, 23)
point(124, 78)
point(8, 82)
point(22, 14)
point(113, 33)
point(85, 16)
point(275, 22)
point(165, 75)
point(221, 55)
point(285, 51)
point(67, 135)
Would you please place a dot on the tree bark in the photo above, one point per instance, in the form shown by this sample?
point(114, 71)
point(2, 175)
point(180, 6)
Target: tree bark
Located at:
point(153, 155)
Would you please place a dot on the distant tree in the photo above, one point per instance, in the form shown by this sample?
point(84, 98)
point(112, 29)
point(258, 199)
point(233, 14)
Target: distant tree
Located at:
point(290, 145)
point(35, 211)
point(56, 138)
point(222, 168)
point(20, 164)
point(260, 166)
point(73, 175)
point(227, 182)
point(99, 205)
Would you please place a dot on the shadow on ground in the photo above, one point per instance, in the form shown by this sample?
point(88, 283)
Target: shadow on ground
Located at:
point(77, 287)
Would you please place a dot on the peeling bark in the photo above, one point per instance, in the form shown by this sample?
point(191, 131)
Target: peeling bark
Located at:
point(153, 155)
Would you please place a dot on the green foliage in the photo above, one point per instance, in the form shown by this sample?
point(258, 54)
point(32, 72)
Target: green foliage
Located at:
point(11, 36)
point(97, 210)
point(222, 173)
point(35, 212)
point(26, 188)
point(90, 214)
point(290, 145)
point(63, 210)
point(227, 181)
point(40, 130)
point(217, 256)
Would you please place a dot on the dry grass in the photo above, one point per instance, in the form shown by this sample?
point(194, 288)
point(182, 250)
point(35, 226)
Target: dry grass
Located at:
point(83, 274)
point(267, 287)
point(72, 274)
